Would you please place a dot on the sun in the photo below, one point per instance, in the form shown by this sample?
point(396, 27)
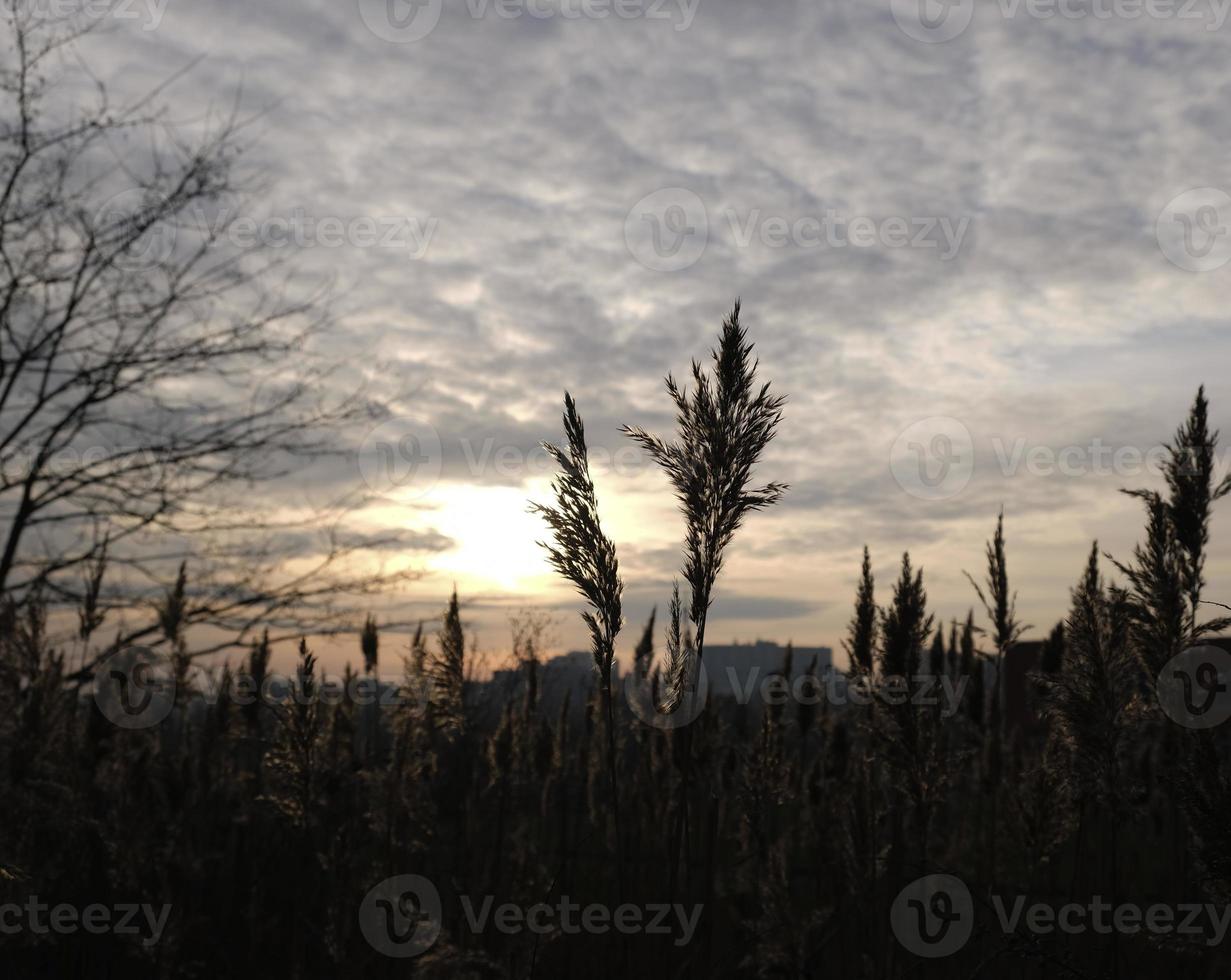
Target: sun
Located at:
point(495, 537)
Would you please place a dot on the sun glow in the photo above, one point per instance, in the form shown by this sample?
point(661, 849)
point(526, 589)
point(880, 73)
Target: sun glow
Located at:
point(495, 537)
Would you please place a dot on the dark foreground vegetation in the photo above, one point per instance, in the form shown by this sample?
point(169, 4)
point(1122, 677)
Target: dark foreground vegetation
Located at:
point(795, 826)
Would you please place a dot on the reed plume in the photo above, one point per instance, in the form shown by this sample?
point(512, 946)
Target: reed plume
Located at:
point(681, 658)
point(1000, 604)
point(585, 556)
point(724, 425)
point(1089, 700)
point(860, 641)
point(581, 552)
point(1192, 490)
point(447, 670)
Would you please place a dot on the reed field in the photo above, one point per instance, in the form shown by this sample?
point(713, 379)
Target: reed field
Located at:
point(795, 829)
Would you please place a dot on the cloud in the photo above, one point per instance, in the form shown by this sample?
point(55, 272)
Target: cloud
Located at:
point(745, 607)
point(528, 140)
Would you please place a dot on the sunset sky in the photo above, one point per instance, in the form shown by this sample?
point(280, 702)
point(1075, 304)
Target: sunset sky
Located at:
point(972, 250)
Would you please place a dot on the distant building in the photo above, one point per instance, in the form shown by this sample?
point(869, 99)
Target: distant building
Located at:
point(570, 675)
point(730, 668)
point(737, 667)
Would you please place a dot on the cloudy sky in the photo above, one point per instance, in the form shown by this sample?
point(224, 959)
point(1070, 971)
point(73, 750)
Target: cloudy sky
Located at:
point(989, 242)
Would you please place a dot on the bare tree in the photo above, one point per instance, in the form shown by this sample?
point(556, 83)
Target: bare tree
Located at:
point(149, 374)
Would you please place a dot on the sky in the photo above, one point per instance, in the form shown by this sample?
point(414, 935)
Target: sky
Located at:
point(983, 253)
